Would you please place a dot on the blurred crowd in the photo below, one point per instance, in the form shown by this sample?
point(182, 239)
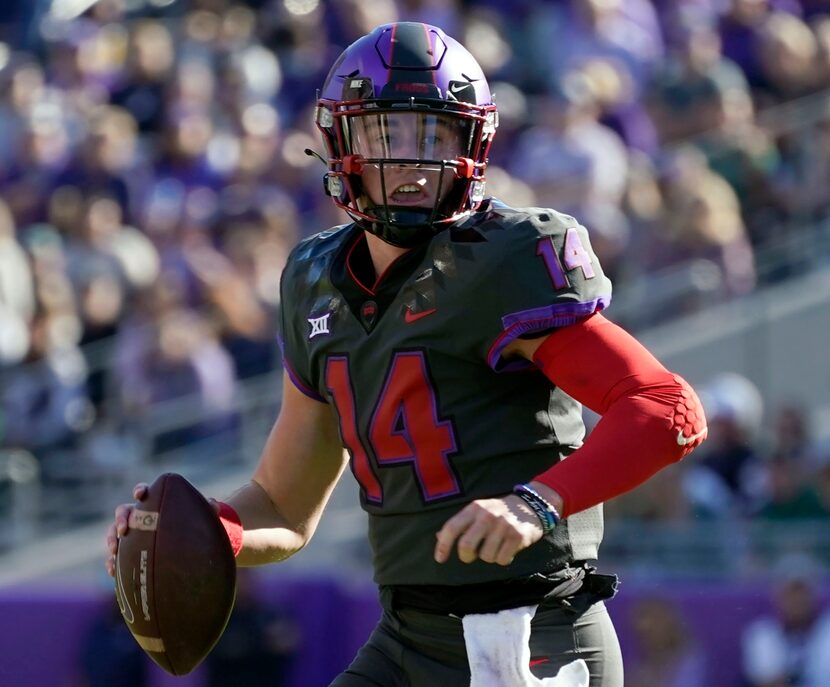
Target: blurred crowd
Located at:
point(153, 176)
point(783, 642)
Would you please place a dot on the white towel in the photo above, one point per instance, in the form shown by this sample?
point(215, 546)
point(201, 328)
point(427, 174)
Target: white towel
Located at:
point(498, 648)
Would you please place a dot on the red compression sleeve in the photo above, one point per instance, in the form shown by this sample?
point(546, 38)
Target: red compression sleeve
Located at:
point(233, 525)
point(650, 417)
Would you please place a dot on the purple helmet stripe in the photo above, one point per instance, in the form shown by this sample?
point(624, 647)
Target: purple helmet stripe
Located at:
point(389, 60)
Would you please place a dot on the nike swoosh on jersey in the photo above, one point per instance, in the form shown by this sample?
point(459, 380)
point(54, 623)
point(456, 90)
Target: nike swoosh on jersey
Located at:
point(455, 88)
point(410, 317)
point(683, 441)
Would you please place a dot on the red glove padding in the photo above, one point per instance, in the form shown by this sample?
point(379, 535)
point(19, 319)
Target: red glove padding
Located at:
point(650, 417)
point(233, 525)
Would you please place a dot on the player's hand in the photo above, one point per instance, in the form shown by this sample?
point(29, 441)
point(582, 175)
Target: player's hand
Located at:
point(490, 530)
point(119, 526)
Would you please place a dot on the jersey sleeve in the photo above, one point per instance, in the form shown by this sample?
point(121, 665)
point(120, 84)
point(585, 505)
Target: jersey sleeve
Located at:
point(547, 276)
point(291, 332)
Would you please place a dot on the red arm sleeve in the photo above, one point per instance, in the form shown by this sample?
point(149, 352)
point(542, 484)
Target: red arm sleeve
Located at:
point(650, 417)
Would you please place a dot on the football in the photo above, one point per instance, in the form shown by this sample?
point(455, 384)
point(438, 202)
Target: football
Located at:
point(175, 576)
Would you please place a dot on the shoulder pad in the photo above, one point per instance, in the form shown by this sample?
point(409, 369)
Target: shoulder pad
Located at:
point(320, 244)
point(541, 221)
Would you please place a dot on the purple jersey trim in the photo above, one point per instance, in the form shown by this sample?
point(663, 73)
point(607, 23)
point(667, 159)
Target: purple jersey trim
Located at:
point(536, 320)
point(295, 378)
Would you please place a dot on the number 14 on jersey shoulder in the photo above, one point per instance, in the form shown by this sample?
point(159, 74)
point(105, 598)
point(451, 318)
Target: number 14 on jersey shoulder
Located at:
point(573, 255)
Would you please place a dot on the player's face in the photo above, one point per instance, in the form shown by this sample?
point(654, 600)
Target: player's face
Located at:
point(423, 141)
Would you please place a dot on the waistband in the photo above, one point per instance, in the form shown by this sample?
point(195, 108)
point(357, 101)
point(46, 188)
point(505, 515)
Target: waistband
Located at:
point(575, 587)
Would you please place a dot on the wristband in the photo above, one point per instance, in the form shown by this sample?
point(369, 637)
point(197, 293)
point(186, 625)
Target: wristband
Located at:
point(545, 511)
point(233, 525)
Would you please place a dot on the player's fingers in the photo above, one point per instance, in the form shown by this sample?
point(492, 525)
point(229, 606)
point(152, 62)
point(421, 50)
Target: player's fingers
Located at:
point(497, 531)
point(112, 540)
point(489, 548)
point(474, 535)
point(122, 517)
point(110, 566)
point(501, 534)
point(507, 551)
point(140, 491)
point(452, 529)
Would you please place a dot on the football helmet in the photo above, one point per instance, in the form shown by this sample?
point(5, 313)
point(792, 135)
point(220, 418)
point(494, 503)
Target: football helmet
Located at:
point(407, 119)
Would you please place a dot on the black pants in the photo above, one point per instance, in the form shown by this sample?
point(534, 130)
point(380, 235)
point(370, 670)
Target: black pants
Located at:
point(410, 648)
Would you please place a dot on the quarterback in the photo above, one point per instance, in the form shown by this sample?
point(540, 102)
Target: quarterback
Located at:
point(447, 342)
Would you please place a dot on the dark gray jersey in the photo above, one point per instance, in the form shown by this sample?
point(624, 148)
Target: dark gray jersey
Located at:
point(431, 414)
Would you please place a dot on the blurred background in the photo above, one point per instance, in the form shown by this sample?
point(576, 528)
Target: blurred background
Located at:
point(153, 180)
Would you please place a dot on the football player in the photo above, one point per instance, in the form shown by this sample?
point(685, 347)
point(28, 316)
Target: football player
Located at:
point(447, 341)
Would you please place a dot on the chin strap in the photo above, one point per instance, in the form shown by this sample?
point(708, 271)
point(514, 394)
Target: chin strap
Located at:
point(498, 649)
point(405, 228)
